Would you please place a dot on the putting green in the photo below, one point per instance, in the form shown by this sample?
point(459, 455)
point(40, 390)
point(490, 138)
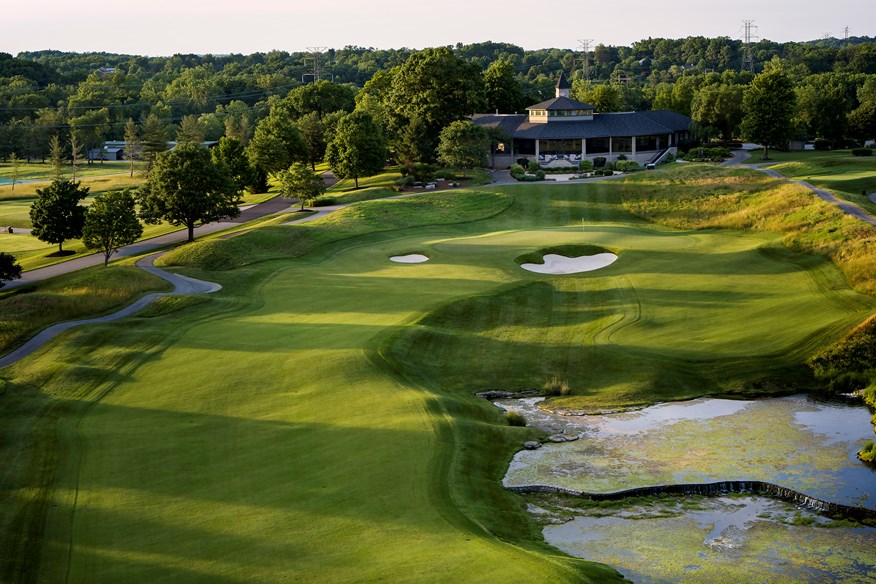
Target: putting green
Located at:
point(322, 427)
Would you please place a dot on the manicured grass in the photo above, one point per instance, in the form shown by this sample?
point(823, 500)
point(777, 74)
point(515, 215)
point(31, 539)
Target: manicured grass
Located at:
point(97, 184)
point(32, 253)
point(315, 420)
point(43, 171)
point(777, 156)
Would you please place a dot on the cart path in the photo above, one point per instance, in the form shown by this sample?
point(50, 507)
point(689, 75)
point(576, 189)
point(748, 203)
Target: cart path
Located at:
point(269, 207)
point(847, 207)
point(181, 285)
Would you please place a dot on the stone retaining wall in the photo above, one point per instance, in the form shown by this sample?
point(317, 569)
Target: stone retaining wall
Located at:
point(715, 490)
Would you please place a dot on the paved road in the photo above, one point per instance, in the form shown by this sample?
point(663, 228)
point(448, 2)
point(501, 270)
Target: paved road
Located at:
point(181, 285)
point(275, 205)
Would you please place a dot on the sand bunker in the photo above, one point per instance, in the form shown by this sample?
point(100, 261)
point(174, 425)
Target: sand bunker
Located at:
point(411, 258)
point(557, 264)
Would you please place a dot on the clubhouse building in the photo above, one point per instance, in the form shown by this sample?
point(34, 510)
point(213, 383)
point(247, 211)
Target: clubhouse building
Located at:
point(563, 131)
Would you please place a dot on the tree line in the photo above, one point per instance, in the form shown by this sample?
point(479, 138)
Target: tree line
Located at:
point(93, 95)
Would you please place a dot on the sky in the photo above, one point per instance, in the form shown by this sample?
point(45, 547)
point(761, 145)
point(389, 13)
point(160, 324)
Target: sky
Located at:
point(165, 27)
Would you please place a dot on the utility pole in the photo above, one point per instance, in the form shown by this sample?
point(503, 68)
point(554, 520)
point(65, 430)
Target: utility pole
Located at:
point(316, 63)
point(584, 47)
point(747, 51)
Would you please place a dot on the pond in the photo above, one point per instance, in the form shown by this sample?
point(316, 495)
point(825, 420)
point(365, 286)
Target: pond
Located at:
point(794, 442)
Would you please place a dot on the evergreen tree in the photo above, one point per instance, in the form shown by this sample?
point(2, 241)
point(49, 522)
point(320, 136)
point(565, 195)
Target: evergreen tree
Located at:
point(56, 157)
point(132, 143)
point(154, 139)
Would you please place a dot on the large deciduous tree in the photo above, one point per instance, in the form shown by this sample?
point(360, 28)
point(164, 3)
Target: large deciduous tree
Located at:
point(185, 187)
point(56, 215)
point(437, 88)
point(769, 104)
point(299, 182)
point(464, 144)
point(277, 143)
point(358, 148)
point(232, 153)
point(719, 106)
point(111, 222)
point(503, 92)
point(9, 268)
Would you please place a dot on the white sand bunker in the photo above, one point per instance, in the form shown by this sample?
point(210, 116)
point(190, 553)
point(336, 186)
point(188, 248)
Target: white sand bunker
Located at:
point(557, 264)
point(411, 258)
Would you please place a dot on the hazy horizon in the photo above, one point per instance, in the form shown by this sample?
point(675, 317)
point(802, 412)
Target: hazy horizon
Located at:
point(166, 27)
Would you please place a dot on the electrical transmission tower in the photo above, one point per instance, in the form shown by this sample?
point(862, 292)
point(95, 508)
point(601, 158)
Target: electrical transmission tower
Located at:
point(584, 47)
point(846, 33)
point(316, 61)
point(747, 50)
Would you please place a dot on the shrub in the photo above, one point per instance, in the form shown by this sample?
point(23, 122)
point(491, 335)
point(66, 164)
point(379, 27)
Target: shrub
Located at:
point(586, 166)
point(423, 172)
point(445, 173)
point(407, 181)
point(823, 144)
point(404, 171)
point(599, 162)
point(608, 166)
point(555, 386)
point(868, 452)
point(862, 152)
point(516, 171)
point(539, 174)
point(515, 419)
point(627, 165)
point(669, 157)
point(622, 157)
point(532, 166)
point(324, 202)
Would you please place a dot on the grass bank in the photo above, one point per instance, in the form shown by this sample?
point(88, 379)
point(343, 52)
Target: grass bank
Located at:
point(92, 292)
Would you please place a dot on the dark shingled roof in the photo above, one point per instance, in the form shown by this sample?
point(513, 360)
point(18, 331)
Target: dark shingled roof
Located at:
point(562, 82)
point(613, 125)
point(561, 103)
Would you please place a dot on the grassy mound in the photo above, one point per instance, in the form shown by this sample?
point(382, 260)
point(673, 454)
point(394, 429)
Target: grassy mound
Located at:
point(26, 311)
point(291, 241)
point(569, 251)
point(701, 197)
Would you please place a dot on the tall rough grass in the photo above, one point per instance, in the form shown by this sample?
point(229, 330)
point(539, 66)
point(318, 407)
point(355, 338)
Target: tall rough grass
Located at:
point(701, 197)
point(89, 293)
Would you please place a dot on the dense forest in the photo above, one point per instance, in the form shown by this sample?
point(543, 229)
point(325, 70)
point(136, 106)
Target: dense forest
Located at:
point(95, 96)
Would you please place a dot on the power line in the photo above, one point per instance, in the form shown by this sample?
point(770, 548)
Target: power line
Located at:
point(747, 51)
point(315, 58)
point(242, 94)
point(584, 47)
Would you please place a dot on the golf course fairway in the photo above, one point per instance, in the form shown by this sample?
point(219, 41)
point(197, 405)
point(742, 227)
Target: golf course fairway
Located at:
point(315, 421)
